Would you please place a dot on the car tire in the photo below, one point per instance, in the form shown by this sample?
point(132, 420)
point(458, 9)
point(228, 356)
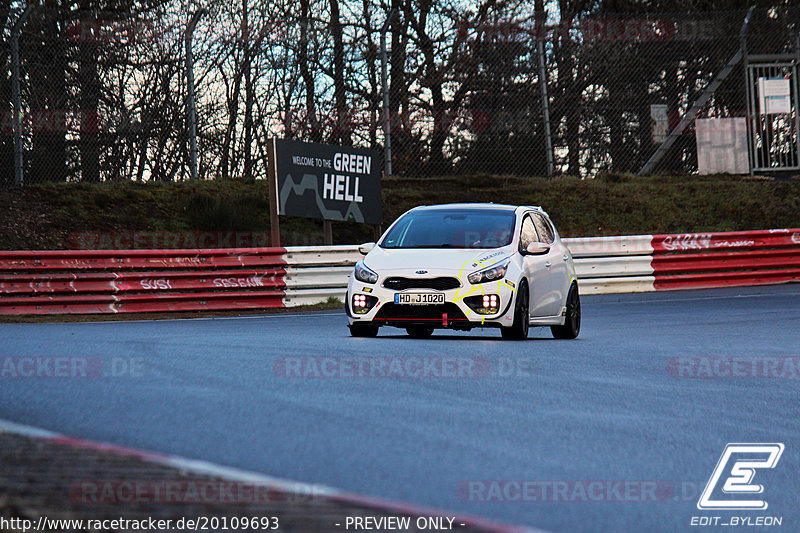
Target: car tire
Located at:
point(363, 330)
point(519, 328)
point(419, 332)
point(572, 322)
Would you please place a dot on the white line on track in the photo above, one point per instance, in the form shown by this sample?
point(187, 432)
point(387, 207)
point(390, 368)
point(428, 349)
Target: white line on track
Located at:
point(297, 314)
point(699, 298)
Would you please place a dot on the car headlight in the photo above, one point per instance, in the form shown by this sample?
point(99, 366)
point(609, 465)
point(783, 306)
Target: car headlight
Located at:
point(364, 274)
point(493, 273)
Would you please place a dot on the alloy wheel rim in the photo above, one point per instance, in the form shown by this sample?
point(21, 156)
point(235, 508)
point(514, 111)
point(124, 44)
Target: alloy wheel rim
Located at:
point(524, 313)
point(575, 311)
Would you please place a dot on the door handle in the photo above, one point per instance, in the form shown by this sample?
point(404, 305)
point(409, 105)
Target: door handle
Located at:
point(547, 264)
point(565, 257)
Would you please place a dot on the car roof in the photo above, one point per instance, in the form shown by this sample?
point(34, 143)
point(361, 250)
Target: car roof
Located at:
point(497, 207)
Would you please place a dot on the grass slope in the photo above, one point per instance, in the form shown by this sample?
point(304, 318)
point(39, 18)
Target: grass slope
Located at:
point(56, 216)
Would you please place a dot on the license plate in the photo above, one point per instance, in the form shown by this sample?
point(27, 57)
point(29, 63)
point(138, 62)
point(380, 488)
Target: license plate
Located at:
point(419, 298)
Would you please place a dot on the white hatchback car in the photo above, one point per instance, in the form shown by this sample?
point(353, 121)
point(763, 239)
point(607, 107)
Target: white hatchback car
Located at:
point(462, 266)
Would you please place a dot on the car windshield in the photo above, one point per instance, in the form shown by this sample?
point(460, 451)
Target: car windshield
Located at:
point(452, 228)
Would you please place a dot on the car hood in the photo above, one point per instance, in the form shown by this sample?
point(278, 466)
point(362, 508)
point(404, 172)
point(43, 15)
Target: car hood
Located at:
point(406, 261)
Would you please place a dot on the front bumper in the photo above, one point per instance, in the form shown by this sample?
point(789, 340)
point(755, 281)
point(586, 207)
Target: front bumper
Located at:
point(453, 313)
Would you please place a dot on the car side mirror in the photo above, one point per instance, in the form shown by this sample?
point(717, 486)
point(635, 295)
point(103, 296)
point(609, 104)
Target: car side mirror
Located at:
point(537, 248)
point(365, 248)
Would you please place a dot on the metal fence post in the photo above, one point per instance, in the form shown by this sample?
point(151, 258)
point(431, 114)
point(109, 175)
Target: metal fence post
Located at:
point(190, 107)
point(16, 97)
point(548, 140)
point(387, 128)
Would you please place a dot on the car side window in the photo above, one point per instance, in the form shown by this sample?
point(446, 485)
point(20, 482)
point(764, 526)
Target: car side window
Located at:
point(527, 234)
point(544, 229)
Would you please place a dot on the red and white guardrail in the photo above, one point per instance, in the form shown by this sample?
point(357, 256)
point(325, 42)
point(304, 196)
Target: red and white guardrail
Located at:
point(127, 281)
point(134, 281)
point(643, 263)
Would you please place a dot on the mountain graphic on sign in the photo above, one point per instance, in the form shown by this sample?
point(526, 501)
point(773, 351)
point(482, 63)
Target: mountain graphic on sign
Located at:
point(310, 182)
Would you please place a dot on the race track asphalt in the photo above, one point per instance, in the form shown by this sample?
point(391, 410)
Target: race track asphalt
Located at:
point(611, 432)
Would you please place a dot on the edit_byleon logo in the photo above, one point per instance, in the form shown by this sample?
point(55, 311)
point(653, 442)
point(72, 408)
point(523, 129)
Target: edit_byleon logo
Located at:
point(739, 462)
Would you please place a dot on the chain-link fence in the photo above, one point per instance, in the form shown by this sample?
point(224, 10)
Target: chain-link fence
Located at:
point(102, 96)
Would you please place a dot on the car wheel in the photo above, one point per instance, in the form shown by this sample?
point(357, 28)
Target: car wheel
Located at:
point(519, 328)
point(419, 332)
point(572, 322)
point(363, 330)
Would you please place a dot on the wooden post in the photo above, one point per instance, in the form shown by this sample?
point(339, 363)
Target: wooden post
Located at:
point(272, 173)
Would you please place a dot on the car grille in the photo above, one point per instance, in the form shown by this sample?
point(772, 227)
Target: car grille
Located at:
point(423, 313)
point(439, 284)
